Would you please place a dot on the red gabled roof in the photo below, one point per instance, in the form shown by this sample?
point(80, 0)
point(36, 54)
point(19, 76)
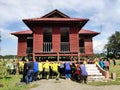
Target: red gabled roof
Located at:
point(61, 17)
point(50, 17)
point(56, 17)
point(83, 31)
point(88, 32)
point(25, 32)
point(57, 12)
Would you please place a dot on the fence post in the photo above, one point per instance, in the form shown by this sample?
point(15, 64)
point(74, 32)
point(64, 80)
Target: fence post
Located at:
point(113, 76)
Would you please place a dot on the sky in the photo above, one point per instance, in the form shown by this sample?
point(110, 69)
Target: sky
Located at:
point(104, 17)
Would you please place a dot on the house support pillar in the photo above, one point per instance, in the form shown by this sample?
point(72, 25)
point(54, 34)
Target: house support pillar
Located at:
point(78, 57)
point(58, 56)
point(34, 57)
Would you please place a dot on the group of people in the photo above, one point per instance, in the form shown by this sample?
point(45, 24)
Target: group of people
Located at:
point(35, 70)
point(11, 67)
point(104, 63)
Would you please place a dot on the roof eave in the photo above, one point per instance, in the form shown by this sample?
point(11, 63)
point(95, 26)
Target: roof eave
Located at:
point(29, 23)
point(25, 32)
point(89, 34)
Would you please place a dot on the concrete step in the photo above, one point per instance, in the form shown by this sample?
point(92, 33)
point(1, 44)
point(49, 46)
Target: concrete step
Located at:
point(92, 69)
point(96, 78)
point(93, 73)
point(96, 71)
point(90, 65)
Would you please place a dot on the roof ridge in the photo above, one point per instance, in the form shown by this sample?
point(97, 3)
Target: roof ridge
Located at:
point(55, 11)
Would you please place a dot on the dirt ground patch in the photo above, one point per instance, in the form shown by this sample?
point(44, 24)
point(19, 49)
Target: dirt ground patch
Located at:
point(63, 84)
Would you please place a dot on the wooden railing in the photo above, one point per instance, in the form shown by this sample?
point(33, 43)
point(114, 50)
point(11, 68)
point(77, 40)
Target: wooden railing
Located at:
point(104, 73)
point(47, 47)
point(65, 47)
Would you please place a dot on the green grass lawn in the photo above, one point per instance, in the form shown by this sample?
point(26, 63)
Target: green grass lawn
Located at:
point(13, 83)
point(115, 69)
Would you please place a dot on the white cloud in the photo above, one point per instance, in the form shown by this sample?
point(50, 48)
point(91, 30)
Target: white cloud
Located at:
point(98, 46)
point(16, 10)
point(3, 51)
point(8, 45)
point(8, 51)
point(6, 34)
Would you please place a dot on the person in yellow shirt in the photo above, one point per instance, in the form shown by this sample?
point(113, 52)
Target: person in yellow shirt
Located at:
point(51, 71)
point(46, 68)
point(40, 69)
point(96, 61)
point(84, 61)
point(55, 67)
point(21, 66)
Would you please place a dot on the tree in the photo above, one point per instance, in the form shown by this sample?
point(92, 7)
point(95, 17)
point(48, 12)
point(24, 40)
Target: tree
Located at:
point(113, 46)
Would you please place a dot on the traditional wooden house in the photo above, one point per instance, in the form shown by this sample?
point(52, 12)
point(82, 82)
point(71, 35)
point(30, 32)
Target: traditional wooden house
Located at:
point(55, 35)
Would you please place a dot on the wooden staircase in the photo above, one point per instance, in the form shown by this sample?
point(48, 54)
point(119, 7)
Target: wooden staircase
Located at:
point(94, 73)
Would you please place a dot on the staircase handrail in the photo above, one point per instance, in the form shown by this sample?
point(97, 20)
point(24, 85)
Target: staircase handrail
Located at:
point(104, 72)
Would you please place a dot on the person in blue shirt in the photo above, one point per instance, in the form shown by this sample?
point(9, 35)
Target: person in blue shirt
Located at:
point(67, 70)
point(35, 69)
point(101, 63)
point(84, 73)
